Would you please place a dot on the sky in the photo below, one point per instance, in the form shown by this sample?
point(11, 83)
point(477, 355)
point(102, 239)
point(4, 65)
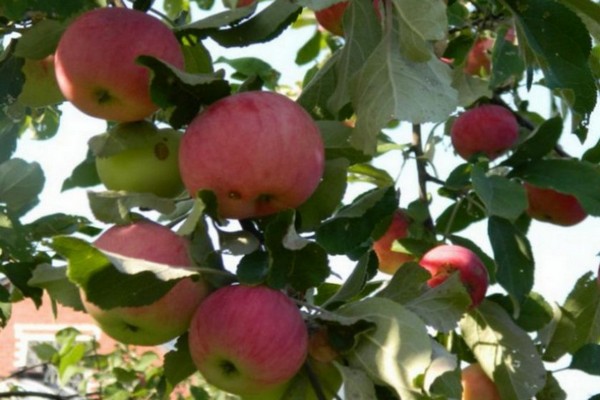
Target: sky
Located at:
point(562, 255)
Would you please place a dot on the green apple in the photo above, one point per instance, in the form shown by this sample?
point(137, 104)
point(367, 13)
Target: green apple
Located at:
point(40, 88)
point(147, 164)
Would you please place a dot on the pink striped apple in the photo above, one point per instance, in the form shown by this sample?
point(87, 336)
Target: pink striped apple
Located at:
point(259, 152)
point(169, 316)
point(248, 340)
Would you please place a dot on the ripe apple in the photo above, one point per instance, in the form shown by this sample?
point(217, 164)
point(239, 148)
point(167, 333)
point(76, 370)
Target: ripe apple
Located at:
point(150, 165)
point(479, 58)
point(477, 385)
point(389, 260)
point(166, 318)
point(96, 62)
point(489, 129)
point(40, 88)
point(248, 340)
point(259, 152)
point(442, 260)
point(548, 205)
point(331, 18)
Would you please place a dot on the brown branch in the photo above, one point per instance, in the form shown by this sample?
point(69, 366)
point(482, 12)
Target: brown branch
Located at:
point(423, 176)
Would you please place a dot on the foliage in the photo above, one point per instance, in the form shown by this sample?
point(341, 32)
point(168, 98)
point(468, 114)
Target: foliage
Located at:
point(401, 64)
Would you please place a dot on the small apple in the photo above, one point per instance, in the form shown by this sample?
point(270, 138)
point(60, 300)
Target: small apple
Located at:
point(96, 62)
point(40, 88)
point(389, 260)
point(489, 129)
point(259, 152)
point(548, 205)
point(477, 385)
point(166, 318)
point(479, 58)
point(248, 340)
point(331, 18)
point(319, 347)
point(149, 165)
point(442, 260)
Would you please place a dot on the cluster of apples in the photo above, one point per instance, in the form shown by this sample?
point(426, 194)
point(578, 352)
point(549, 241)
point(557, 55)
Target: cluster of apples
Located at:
point(258, 152)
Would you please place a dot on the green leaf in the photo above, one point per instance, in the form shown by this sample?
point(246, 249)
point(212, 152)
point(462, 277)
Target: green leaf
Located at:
point(391, 86)
point(513, 256)
point(327, 197)
point(541, 142)
point(362, 32)
point(443, 378)
point(12, 79)
point(508, 63)
point(357, 385)
point(502, 197)
point(16, 9)
point(178, 363)
point(414, 37)
point(583, 305)
point(470, 88)
point(54, 280)
point(45, 125)
point(393, 359)
point(563, 58)
point(443, 306)
point(58, 224)
point(84, 174)
point(20, 184)
point(349, 231)
point(559, 335)
point(336, 138)
point(253, 268)
point(247, 67)
point(9, 132)
point(460, 215)
point(587, 359)
point(115, 207)
point(504, 351)
point(40, 40)
point(552, 390)
point(535, 313)
point(5, 306)
point(579, 178)
point(214, 21)
point(407, 284)
point(197, 58)
point(310, 50)
point(19, 274)
point(367, 173)
point(110, 280)
point(318, 87)
point(181, 92)
point(355, 283)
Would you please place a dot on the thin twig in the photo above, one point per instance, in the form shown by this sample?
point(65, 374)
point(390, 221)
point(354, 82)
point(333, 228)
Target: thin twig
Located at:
point(417, 147)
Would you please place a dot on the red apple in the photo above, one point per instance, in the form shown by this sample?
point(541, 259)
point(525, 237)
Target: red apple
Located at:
point(166, 318)
point(330, 18)
point(248, 340)
point(390, 260)
point(488, 129)
point(442, 260)
point(259, 152)
point(40, 88)
point(477, 385)
point(479, 58)
point(96, 62)
point(548, 205)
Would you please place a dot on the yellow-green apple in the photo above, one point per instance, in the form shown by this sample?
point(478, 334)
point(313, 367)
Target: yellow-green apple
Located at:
point(96, 62)
point(477, 385)
point(390, 260)
point(40, 88)
point(549, 205)
point(443, 260)
point(487, 129)
point(259, 152)
point(479, 57)
point(148, 164)
point(248, 340)
point(169, 316)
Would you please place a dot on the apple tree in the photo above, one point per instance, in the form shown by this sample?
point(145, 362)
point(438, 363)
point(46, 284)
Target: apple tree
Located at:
point(254, 226)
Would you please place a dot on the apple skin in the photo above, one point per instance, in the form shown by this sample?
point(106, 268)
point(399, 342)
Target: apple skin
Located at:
point(479, 60)
point(248, 340)
point(259, 152)
point(390, 261)
point(330, 18)
point(40, 88)
point(95, 62)
point(442, 260)
point(489, 129)
point(477, 385)
point(548, 205)
point(152, 168)
point(166, 318)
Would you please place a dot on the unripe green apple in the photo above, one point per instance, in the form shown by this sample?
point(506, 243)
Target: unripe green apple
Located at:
point(248, 340)
point(40, 88)
point(389, 260)
point(442, 260)
point(477, 385)
point(169, 316)
point(259, 152)
point(96, 65)
point(149, 165)
point(488, 129)
point(548, 205)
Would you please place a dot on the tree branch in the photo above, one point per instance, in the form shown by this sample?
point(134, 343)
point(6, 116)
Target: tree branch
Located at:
point(423, 176)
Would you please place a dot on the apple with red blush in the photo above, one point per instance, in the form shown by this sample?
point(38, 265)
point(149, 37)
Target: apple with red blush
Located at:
point(549, 205)
point(390, 260)
point(477, 385)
